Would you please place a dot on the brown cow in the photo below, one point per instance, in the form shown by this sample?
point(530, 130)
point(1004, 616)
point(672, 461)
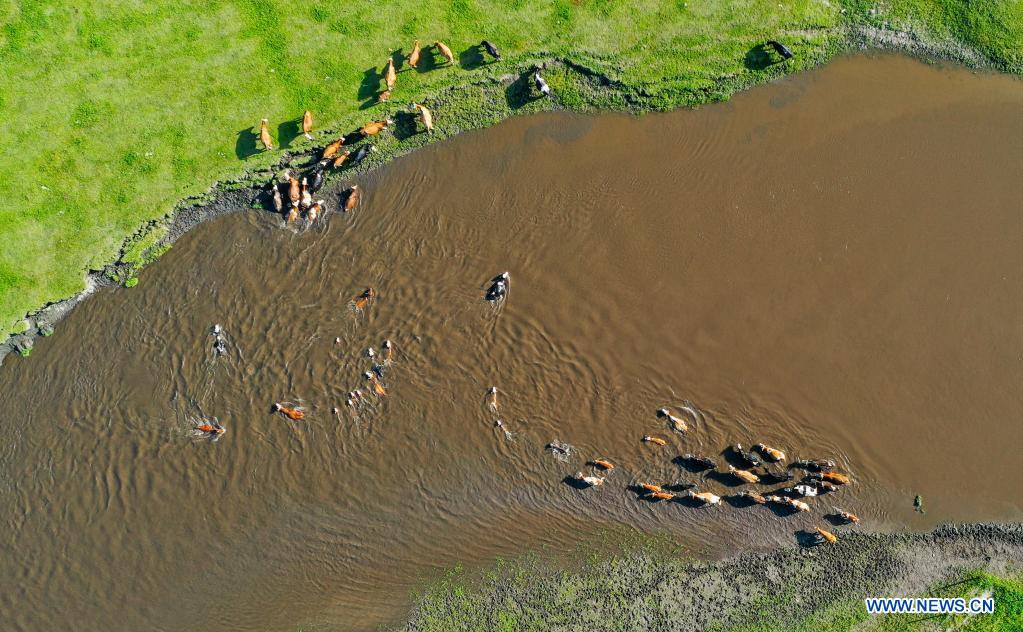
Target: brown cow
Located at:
point(375, 127)
point(294, 414)
point(445, 52)
point(413, 58)
point(425, 115)
point(264, 135)
point(340, 160)
point(390, 76)
point(307, 124)
point(352, 201)
point(331, 150)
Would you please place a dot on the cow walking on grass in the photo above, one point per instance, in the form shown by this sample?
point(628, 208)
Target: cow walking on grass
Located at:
point(425, 115)
point(375, 127)
point(541, 84)
point(264, 135)
point(307, 124)
point(491, 49)
point(413, 57)
point(445, 52)
point(780, 48)
point(390, 75)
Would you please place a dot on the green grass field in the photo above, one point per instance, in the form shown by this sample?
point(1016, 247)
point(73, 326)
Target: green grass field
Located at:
point(114, 111)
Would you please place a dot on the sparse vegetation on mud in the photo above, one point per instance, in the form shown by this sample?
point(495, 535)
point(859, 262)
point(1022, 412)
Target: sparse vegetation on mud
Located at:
point(817, 589)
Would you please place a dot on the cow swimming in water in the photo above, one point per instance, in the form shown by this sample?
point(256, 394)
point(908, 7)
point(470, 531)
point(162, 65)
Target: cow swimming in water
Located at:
point(498, 287)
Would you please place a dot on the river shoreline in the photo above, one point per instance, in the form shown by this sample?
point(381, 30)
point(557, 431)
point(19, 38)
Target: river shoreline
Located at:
point(775, 269)
point(460, 108)
point(811, 586)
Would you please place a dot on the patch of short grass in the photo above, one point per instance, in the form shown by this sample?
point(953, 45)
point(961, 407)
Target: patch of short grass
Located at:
point(116, 110)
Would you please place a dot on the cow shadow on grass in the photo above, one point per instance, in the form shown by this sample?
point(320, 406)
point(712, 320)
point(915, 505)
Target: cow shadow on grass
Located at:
point(760, 57)
point(428, 59)
point(406, 125)
point(519, 92)
point(471, 58)
point(370, 85)
point(245, 145)
point(398, 57)
point(288, 131)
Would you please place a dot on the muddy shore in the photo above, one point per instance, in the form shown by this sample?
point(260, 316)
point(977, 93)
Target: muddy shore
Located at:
point(464, 108)
point(653, 589)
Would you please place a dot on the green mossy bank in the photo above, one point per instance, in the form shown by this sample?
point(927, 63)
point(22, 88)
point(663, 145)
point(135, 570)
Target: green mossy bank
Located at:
point(818, 589)
point(119, 113)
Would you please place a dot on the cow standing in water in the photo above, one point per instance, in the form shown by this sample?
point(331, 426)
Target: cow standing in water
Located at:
point(219, 342)
point(362, 300)
point(705, 498)
point(314, 211)
point(374, 382)
point(306, 196)
point(317, 182)
point(294, 189)
point(276, 198)
point(352, 199)
point(588, 481)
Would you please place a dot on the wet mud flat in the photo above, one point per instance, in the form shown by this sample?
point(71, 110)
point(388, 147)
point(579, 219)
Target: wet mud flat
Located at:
point(814, 589)
point(826, 265)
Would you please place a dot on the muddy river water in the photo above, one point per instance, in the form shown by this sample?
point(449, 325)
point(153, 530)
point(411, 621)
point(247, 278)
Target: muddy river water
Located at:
point(831, 264)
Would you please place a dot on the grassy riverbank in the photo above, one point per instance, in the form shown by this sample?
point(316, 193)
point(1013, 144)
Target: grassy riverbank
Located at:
point(117, 111)
point(818, 590)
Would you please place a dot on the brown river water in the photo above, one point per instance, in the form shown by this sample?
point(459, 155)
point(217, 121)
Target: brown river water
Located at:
point(830, 264)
